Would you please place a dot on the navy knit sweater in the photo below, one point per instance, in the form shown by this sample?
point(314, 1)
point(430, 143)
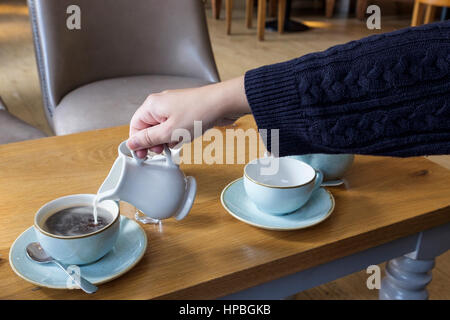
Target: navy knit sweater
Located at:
point(386, 94)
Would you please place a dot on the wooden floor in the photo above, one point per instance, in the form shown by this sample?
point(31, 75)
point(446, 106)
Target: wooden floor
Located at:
point(19, 87)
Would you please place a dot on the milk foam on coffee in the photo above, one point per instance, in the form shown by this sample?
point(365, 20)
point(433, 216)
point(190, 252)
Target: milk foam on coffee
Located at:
point(76, 221)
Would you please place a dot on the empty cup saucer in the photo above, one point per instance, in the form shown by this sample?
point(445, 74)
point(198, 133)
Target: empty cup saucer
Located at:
point(317, 209)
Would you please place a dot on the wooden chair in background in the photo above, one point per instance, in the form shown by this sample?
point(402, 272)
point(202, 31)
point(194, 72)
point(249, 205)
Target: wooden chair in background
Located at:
point(261, 23)
point(430, 5)
point(261, 15)
point(216, 5)
point(361, 6)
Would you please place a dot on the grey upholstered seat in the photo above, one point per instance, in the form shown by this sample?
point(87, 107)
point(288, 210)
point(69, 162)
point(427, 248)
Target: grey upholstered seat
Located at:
point(13, 129)
point(110, 102)
point(97, 76)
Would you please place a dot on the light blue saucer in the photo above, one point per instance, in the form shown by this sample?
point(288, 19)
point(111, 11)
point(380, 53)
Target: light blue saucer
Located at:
point(317, 209)
point(129, 249)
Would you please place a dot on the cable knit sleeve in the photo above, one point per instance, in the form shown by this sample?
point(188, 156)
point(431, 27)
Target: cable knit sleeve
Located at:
point(387, 94)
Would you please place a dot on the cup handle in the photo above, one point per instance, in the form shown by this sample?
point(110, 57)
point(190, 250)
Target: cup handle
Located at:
point(189, 197)
point(318, 181)
point(267, 154)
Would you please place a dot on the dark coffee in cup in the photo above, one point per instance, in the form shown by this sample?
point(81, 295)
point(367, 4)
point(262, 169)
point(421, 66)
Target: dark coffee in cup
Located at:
point(76, 221)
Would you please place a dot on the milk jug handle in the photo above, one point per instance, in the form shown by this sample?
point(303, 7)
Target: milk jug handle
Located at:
point(168, 154)
point(136, 158)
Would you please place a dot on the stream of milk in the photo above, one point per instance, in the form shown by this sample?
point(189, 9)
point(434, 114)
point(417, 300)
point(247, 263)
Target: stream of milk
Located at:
point(94, 205)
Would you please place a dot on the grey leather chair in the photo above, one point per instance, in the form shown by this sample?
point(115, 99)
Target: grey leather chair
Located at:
point(97, 76)
point(13, 129)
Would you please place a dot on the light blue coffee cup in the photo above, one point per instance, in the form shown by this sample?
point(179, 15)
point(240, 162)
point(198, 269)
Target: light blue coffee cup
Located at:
point(280, 188)
point(333, 166)
point(82, 249)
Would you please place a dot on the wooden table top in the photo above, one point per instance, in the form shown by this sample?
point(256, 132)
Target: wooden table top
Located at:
point(210, 254)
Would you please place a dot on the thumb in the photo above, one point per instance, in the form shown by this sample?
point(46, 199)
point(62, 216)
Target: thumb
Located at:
point(149, 137)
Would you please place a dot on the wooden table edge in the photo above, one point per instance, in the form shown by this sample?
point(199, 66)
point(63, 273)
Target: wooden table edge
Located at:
point(244, 279)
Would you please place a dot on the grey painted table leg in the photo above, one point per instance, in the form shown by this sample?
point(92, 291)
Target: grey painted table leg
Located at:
point(407, 277)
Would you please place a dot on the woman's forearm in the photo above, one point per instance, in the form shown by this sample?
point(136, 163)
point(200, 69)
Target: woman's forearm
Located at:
point(231, 98)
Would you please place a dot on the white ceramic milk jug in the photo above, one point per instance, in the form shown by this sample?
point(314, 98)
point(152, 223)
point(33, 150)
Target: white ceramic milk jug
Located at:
point(156, 186)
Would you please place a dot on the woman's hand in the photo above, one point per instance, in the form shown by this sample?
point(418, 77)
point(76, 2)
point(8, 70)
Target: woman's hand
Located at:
point(153, 123)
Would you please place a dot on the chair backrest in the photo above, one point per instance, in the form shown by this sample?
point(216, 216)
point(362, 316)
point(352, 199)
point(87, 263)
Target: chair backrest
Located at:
point(118, 38)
